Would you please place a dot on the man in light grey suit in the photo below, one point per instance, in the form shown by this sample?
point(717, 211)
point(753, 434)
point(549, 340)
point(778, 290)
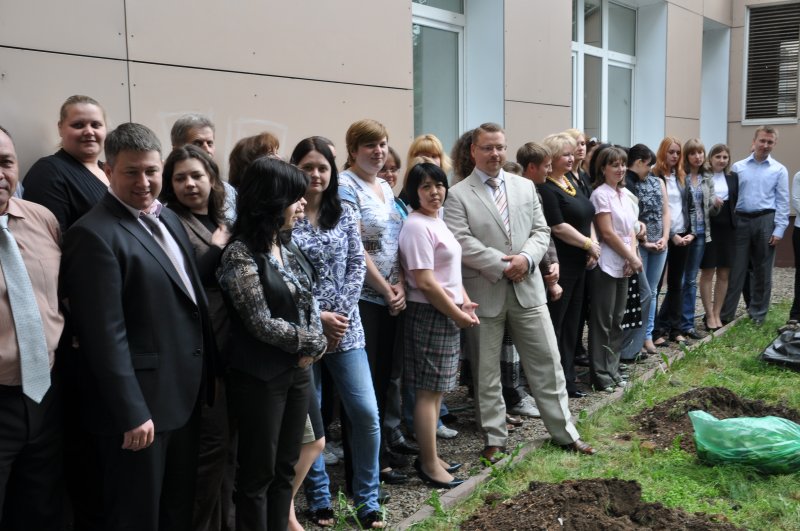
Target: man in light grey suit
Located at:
point(497, 218)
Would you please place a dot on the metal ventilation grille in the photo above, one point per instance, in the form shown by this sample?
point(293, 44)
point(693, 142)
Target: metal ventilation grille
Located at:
point(772, 62)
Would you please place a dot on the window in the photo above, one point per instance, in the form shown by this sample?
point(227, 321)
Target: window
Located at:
point(604, 57)
point(773, 45)
point(438, 43)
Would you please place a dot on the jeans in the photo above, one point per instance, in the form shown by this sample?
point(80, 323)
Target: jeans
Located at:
point(653, 264)
point(696, 249)
point(351, 375)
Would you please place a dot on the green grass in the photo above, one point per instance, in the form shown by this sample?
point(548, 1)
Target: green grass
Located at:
point(673, 477)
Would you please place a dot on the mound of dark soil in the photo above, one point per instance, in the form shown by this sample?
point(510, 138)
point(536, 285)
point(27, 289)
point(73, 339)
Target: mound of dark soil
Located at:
point(587, 505)
point(662, 423)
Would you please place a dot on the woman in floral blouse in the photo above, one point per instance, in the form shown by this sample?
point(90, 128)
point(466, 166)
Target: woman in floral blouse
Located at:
point(276, 335)
point(329, 235)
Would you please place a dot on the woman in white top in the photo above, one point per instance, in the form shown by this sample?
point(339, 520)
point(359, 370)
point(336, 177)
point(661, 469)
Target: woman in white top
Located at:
point(718, 255)
point(669, 167)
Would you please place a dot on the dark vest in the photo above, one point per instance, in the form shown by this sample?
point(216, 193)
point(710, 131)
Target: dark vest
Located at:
point(246, 353)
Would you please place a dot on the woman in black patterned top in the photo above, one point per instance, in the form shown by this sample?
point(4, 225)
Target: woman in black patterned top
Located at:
point(276, 335)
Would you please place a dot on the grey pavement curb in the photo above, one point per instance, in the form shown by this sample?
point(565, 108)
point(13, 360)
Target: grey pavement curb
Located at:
point(450, 497)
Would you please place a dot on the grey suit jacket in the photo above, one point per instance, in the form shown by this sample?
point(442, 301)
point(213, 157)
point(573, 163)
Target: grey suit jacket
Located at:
point(472, 216)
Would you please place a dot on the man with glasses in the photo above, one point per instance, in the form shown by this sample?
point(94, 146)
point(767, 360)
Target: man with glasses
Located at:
point(498, 220)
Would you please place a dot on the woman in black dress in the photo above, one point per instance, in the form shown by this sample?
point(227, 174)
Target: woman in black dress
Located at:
point(569, 213)
point(70, 182)
point(718, 255)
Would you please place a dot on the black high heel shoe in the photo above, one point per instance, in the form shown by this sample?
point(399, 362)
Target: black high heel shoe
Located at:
point(438, 484)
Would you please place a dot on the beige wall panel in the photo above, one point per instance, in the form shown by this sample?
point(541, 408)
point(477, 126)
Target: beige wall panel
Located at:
point(719, 10)
point(243, 105)
point(740, 9)
point(35, 84)
point(684, 61)
point(354, 41)
point(736, 72)
point(535, 32)
point(92, 27)
point(681, 128)
point(526, 122)
point(692, 5)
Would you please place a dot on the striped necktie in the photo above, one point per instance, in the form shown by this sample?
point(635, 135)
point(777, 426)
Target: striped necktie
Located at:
point(34, 359)
point(500, 200)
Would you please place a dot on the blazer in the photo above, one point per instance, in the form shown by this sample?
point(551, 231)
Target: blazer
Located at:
point(709, 208)
point(474, 220)
point(145, 343)
point(732, 179)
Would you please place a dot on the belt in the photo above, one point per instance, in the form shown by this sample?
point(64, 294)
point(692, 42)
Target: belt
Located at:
point(756, 214)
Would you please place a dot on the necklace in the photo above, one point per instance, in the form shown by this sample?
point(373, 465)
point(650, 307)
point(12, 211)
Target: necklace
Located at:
point(568, 188)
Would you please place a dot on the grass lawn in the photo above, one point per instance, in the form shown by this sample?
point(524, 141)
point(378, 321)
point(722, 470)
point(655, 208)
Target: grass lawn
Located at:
point(673, 477)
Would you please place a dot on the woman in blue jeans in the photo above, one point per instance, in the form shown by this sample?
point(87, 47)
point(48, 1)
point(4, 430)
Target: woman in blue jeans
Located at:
point(701, 187)
point(329, 235)
point(654, 213)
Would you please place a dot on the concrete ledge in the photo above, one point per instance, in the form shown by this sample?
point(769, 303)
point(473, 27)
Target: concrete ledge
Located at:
point(450, 497)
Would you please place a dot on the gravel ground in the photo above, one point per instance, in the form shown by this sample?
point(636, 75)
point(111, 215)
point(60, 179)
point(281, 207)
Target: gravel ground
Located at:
point(406, 499)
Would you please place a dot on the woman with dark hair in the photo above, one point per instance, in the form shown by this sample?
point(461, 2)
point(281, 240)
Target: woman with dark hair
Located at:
point(654, 213)
point(438, 306)
point(669, 168)
point(276, 335)
point(193, 190)
point(619, 259)
point(329, 235)
point(461, 156)
point(718, 254)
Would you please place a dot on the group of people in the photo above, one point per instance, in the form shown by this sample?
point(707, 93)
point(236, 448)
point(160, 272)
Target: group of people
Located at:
point(174, 341)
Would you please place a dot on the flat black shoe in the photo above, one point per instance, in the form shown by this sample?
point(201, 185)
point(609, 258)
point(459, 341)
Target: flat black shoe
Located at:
point(693, 334)
point(404, 447)
point(583, 361)
point(453, 467)
point(577, 394)
point(438, 484)
point(393, 477)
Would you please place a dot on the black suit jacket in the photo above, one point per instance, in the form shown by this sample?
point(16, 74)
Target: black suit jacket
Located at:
point(143, 340)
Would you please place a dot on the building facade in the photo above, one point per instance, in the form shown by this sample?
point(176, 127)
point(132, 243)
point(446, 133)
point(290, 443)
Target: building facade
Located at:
point(623, 70)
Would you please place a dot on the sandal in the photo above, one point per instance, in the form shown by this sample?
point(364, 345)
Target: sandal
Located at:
point(319, 516)
point(370, 519)
point(661, 342)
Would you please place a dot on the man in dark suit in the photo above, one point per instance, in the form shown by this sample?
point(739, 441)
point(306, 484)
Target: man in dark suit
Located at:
point(141, 320)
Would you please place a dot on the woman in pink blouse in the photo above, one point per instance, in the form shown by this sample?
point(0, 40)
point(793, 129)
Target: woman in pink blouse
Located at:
point(619, 258)
point(437, 306)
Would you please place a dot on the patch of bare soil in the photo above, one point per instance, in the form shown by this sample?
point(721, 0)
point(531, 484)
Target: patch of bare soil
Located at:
point(587, 505)
point(666, 421)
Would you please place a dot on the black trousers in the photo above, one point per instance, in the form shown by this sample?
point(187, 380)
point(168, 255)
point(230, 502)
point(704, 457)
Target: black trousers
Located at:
point(567, 314)
point(271, 418)
point(31, 487)
point(668, 319)
point(151, 489)
point(794, 313)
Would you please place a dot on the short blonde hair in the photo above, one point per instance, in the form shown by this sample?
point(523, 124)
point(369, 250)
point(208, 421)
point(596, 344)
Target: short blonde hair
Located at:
point(557, 142)
point(430, 145)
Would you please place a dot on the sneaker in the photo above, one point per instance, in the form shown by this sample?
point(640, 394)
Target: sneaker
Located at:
point(443, 432)
point(525, 407)
point(329, 457)
point(335, 448)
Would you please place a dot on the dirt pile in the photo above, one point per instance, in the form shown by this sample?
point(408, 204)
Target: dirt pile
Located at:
point(665, 422)
point(587, 505)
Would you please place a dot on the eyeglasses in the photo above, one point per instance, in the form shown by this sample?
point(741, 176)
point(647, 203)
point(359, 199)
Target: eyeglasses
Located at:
point(500, 148)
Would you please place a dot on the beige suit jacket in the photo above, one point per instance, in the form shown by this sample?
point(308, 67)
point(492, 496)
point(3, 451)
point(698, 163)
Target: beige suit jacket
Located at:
point(472, 216)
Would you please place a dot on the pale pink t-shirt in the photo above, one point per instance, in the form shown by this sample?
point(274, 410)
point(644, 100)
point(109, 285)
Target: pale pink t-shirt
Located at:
point(427, 243)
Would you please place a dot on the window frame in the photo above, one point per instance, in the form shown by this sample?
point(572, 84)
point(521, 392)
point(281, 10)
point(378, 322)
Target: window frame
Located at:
point(786, 120)
point(432, 17)
point(608, 58)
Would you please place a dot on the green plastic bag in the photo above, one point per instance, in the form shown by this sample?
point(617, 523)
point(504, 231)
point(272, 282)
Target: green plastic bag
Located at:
point(769, 444)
